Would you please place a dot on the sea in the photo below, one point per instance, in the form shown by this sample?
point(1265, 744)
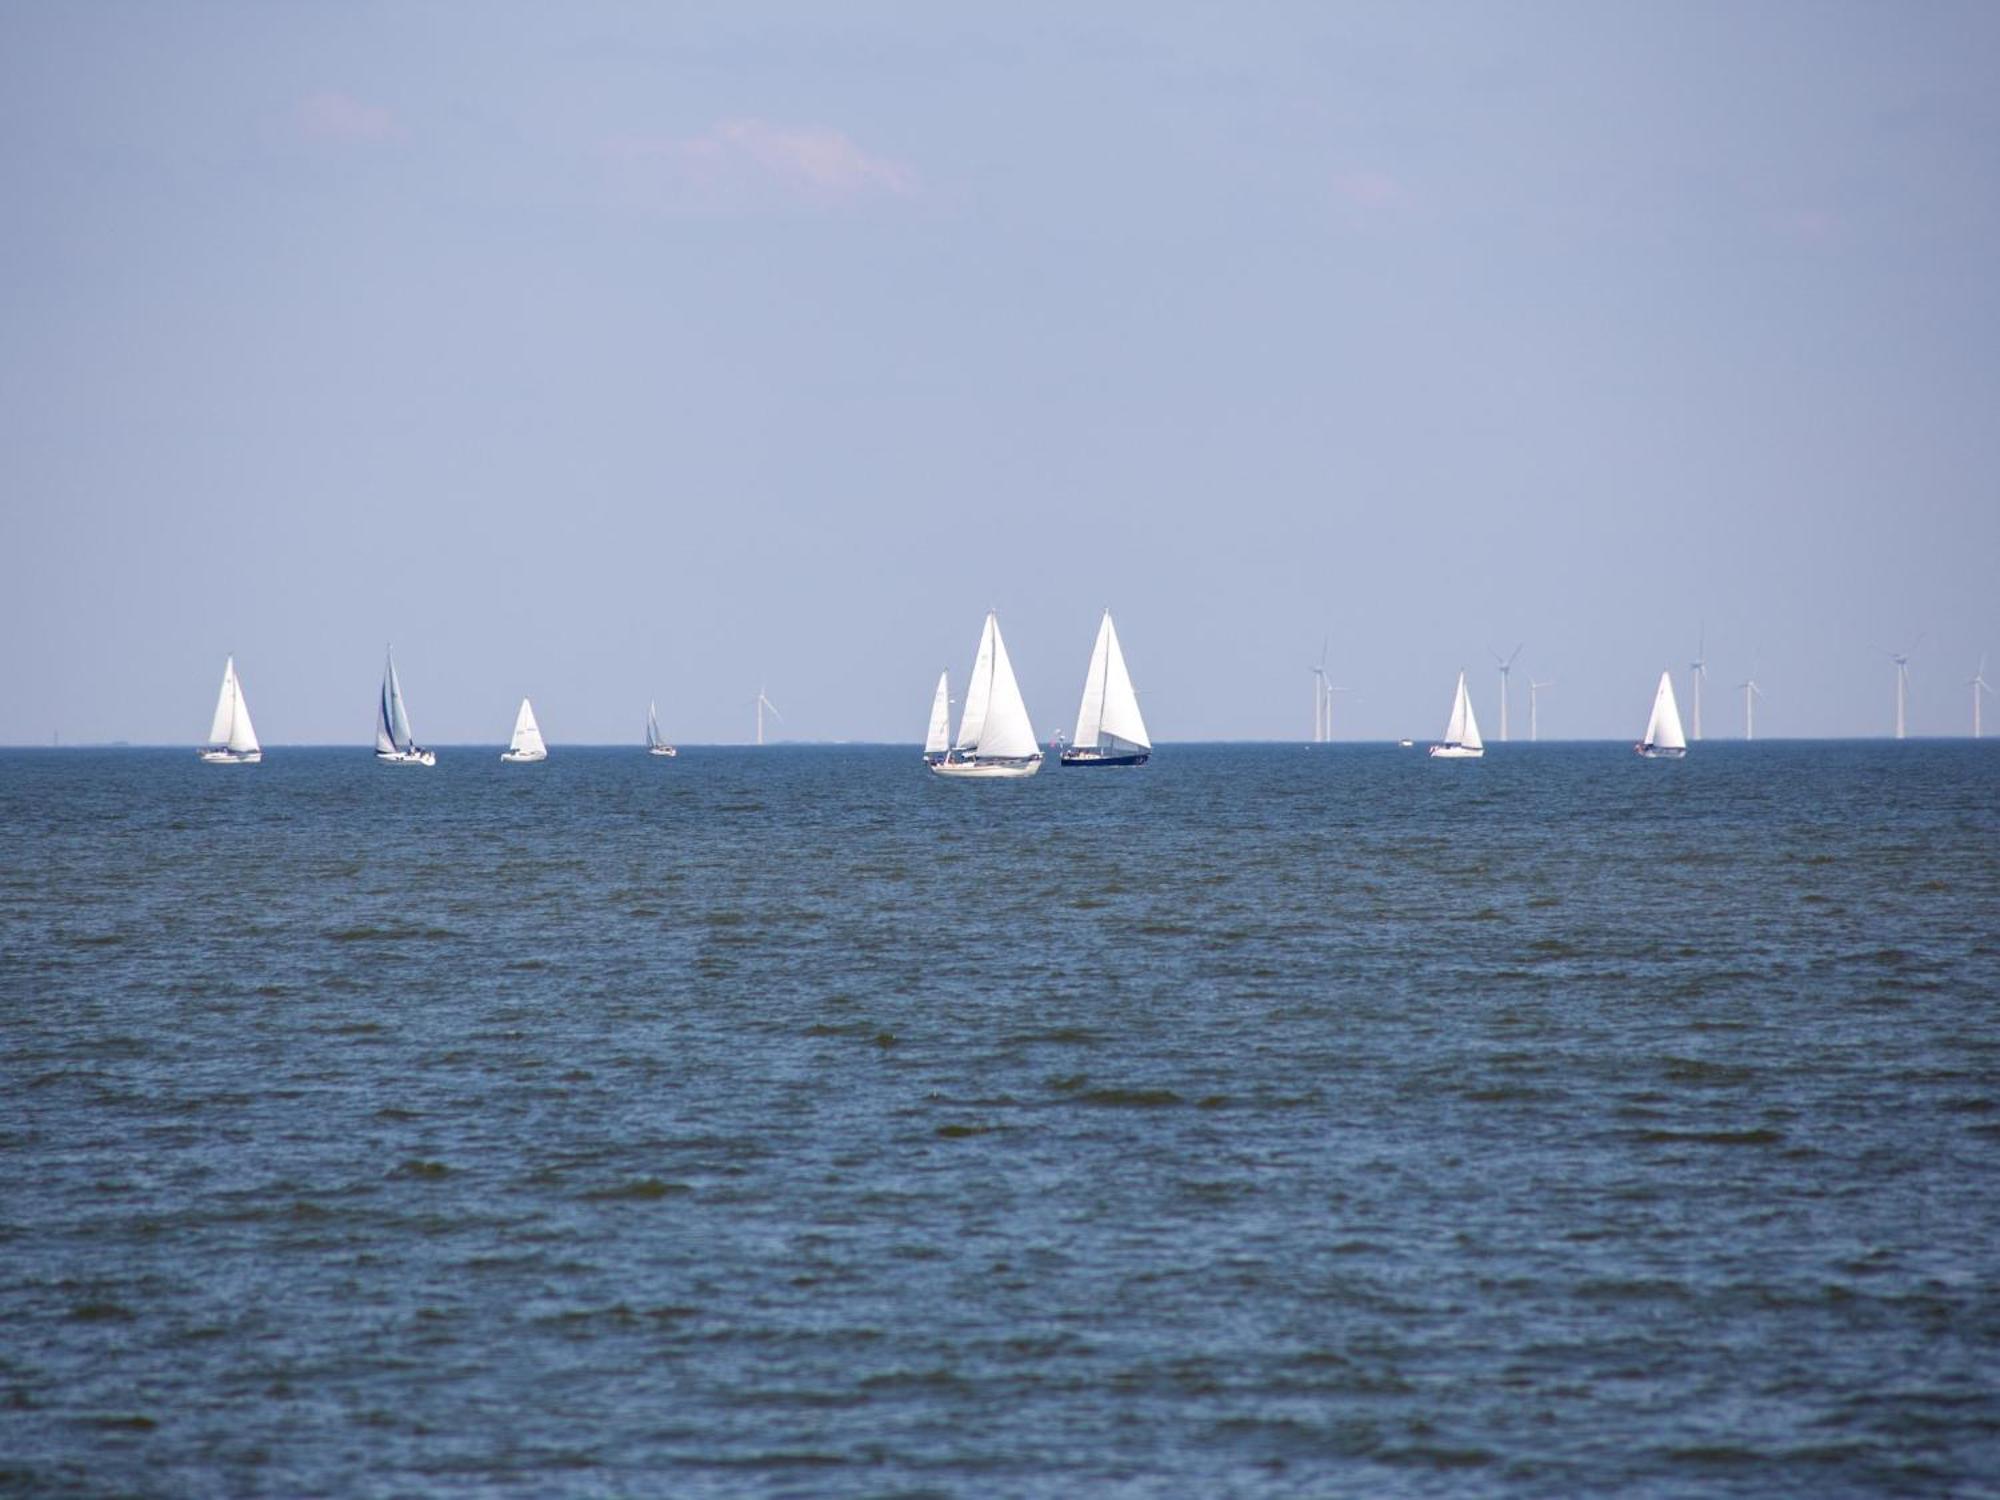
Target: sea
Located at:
point(1269, 1121)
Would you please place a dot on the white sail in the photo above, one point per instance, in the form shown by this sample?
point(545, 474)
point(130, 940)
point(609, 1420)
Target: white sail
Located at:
point(1108, 719)
point(1006, 734)
point(230, 735)
point(1663, 729)
point(392, 720)
point(937, 740)
point(224, 722)
point(1464, 726)
point(978, 688)
point(242, 736)
point(527, 742)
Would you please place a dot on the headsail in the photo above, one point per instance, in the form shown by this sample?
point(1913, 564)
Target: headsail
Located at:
point(937, 740)
point(1663, 729)
point(527, 733)
point(1006, 733)
point(652, 725)
point(242, 736)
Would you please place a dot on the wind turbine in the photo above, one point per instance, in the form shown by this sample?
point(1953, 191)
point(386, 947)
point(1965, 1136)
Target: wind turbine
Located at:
point(1322, 701)
point(1506, 666)
point(1978, 683)
point(1534, 687)
point(1902, 661)
point(1751, 693)
point(1700, 665)
point(764, 703)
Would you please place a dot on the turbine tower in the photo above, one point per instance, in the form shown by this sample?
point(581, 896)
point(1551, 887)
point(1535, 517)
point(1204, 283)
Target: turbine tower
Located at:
point(1902, 661)
point(764, 703)
point(1978, 683)
point(1700, 665)
point(1534, 687)
point(1322, 701)
point(1751, 693)
point(1506, 666)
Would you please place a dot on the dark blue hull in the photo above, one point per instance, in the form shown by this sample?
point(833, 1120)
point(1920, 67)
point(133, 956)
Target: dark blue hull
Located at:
point(1092, 758)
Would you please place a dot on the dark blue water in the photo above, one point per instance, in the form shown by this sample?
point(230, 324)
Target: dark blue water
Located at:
point(1263, 1122)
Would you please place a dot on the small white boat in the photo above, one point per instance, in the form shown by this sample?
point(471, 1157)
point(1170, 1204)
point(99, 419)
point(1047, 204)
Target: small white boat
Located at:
point(655, 743)
point(395, 745)
point(1461, 735)
point(527, 743)
point(937, 739)
point(995, 739)
point(1664, 740)
point(1109, 728)
point(231, 739)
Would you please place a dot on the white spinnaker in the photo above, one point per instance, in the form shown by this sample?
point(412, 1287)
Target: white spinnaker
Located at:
point(1121, 720)
point(1664, 728)
point(221, 726)
point(527, 733)
point(937, 739)
point(978, 688)
point(242, 737)
point(1006, 733)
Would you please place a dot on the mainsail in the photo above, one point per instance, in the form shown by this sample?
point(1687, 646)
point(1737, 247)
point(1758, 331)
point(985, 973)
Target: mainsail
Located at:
point(1108, 718)
point(653, 740)
point(392, 720)
point(937, 740)
point(1663, 729)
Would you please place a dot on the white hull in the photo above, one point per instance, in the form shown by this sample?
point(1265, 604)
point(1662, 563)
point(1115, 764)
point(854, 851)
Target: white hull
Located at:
point(522, 757)
point(407, 757)
point(231, 757)
point(661, 750)
point(1457, 752)
point(1661, 752)
point(988, 769)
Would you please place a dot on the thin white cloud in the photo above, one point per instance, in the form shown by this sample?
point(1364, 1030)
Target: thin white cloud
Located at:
point(749, 164)
point(333, 116)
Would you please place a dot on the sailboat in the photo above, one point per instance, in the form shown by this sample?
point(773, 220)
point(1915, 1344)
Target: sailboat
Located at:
point(1109, 729)
point(937, 741)
point(527, 742)
point(655, 744)
point(1664, 740)
point(231, 739)
point(1461, 735)
point(995, 738)
point(395, 745)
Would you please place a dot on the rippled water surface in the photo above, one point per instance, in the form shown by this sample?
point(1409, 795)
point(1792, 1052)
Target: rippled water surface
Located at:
point(1263, 1122)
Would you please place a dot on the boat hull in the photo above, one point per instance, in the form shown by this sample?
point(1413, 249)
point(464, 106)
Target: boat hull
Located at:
point(406, 757)
point(1662, 752)
point(667, 750)
point(988, 770)
point(522, 757)
point(1096, 758)
point(1457, 752)
point(230, 757)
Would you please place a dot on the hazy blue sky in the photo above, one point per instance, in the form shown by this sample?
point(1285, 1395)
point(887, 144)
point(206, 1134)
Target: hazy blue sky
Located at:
point(615, 352)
